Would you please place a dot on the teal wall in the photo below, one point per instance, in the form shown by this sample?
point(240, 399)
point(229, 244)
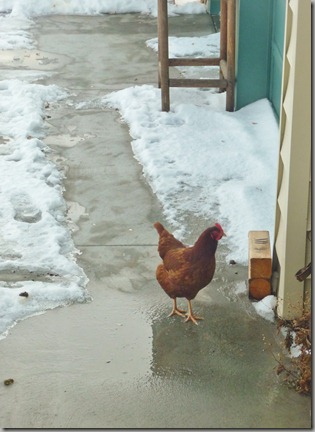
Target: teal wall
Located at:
point(253, 41)
point(259, 50)
point(276, 55)
point(213, 7)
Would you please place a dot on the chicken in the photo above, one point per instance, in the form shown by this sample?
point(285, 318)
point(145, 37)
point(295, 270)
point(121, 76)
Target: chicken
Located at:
point(186, 270)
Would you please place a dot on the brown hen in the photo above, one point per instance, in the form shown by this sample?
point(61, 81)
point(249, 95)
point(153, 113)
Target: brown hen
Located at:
point(186, 270)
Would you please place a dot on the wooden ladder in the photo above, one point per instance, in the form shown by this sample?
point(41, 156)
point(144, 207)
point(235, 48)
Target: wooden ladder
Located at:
point(226, 61)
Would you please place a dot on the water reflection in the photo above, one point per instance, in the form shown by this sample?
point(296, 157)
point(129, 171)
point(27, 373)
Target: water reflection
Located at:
point(220, 370)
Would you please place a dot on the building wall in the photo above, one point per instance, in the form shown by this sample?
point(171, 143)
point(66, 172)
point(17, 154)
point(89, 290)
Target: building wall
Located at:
point(259, 51)
point(292, 230)
point(276, 54)
point(213, 7)
point(253, 41)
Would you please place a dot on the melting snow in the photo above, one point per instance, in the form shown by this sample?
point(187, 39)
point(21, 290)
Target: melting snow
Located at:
point(197, 158)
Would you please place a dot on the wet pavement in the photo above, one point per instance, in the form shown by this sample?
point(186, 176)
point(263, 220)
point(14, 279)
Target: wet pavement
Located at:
point(119, 361)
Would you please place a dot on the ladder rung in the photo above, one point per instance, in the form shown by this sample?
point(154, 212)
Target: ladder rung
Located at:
point(216, 83)
point(194, 62)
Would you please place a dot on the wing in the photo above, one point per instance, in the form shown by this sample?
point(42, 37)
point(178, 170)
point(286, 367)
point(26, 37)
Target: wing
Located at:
point(183, 276)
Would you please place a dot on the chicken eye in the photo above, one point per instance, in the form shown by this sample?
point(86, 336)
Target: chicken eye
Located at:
point(217, 235)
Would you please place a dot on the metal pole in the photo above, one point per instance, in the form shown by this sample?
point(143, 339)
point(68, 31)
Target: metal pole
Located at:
point(163, 54)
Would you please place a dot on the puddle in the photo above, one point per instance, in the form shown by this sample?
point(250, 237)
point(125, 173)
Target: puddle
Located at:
point(75, 213)
point(34, 59)
point(65, 140)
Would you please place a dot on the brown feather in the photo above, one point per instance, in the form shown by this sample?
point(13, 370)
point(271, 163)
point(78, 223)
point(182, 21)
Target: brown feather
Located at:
point(167, 241)
point(185, 270)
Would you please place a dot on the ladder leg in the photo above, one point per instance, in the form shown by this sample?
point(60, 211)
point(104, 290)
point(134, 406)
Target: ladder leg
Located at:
point(163, 54)
point(230, 55)
point(223, 36)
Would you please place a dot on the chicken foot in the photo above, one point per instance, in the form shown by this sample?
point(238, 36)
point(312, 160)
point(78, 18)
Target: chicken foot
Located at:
point(190, 315)
point(176, 311)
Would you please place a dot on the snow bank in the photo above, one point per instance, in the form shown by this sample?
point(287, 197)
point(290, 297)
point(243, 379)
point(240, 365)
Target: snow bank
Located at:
point(219, 165)
point(29, 8)
point(42, 296)
point(200, 158)
point(35, 241)
point(203, 46)
point(16, 15)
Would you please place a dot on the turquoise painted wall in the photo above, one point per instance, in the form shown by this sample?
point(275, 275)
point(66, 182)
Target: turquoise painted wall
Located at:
point(213, 7)
point(259, 51)
point(253, 59)
point(276, 56)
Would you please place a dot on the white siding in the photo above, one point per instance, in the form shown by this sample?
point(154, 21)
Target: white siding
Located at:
point(293, 203)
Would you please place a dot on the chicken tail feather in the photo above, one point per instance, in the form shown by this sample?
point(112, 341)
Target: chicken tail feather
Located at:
point(159, 227)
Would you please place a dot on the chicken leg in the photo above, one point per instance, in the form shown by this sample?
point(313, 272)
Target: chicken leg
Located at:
point(190, 315)
point(176, 311)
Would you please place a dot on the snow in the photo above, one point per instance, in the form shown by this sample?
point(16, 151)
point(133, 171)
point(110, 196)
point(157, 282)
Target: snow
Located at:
point(16, 15)
point(266, 307)
point(198, 159)
point(34, 237)
point(240, 288)
point(30, 8)
point(295, 350)
point(202, 46)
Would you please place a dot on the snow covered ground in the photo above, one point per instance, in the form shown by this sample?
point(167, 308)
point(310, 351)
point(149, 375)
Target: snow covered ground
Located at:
point(197, 158)
point(35, 241)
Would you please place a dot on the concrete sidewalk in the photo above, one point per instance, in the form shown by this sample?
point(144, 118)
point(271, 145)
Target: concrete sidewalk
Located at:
point(119, 361)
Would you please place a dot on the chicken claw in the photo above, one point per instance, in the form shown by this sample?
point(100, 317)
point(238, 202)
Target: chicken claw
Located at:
point(176, 311)
point(190, 315)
